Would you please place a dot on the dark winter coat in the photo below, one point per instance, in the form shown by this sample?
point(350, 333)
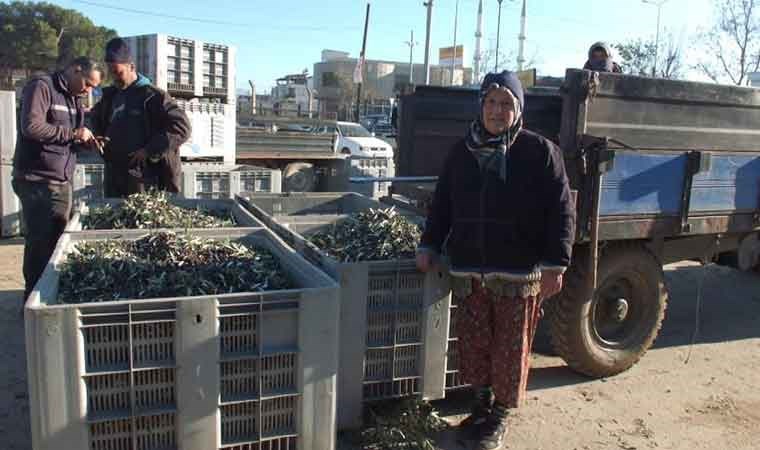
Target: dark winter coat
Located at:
point(49, 115)
point(142, 116)
point(487, 225)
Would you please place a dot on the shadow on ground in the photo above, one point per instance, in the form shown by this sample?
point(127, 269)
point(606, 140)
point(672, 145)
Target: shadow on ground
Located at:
point(14, 404)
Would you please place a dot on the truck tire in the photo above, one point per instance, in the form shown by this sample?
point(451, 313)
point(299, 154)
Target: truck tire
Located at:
point(728, 259)
point(299, 177)
point(606, 332)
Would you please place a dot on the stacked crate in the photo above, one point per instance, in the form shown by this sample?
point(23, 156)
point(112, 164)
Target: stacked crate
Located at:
point(201, 75)
point(216, 181)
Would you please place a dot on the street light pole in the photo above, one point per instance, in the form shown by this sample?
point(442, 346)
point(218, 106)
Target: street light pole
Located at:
point(658, 4)
point(498, 31)
point(454, 61)
point(411, 43)
point(429, 6)
point(361, 65)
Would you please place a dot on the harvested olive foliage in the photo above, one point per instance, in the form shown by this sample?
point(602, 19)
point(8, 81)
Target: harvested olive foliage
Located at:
point(409, 424)
point(151, 210)
point(373, 235)
point(166, 264)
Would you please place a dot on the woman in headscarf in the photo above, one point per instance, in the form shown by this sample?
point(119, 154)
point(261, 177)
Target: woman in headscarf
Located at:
point(502, 212)
point(600, 59)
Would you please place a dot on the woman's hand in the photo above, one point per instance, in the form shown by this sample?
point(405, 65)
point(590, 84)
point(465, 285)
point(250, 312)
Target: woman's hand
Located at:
point(551, 283)
point(425, 261)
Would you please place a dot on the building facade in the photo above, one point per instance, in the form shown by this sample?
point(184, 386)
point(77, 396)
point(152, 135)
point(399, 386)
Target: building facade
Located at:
point(382, 80)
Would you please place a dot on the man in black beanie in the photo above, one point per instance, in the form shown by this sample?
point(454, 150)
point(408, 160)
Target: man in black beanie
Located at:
point(502, 213)
point(144, 126)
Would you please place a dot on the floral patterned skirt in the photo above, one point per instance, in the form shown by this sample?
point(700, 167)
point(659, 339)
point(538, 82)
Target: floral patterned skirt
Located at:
point(495, 324)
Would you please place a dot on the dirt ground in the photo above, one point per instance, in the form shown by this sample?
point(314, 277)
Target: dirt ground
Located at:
point(712, 402)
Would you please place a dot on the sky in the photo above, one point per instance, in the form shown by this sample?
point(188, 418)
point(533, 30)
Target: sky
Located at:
point(275, 38)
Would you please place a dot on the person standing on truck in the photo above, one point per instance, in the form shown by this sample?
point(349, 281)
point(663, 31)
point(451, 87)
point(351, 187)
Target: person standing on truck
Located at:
point(51, 123)
point(502, 213)
point(600, 59)
point(142, 128)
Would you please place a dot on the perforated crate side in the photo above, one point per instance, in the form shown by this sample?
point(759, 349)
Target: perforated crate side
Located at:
point(258, 362)
point(285, 443)
point(212, 185)
point(259, 180)
point(129, 375)
point(396, 297)
point(454, 378)
point(265, 398)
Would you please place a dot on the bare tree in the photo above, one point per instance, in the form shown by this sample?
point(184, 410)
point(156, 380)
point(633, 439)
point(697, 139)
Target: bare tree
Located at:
point(507, 61)
point(636, 57)
point(732, 45)
point(670, 58)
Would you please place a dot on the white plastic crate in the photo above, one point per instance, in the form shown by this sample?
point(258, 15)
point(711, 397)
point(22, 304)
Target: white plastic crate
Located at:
point(371, 167)
point(10, 205)
point(213, 131)
point(242, 216)
point(88, 182)
point(394, 319)
point(234, 371)
point(186, 67)
point(216, 181)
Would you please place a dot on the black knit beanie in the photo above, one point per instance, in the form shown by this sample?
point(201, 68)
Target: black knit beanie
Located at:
point(117, 51)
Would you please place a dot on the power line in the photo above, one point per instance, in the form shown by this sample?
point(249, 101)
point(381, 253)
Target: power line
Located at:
point(199, 20)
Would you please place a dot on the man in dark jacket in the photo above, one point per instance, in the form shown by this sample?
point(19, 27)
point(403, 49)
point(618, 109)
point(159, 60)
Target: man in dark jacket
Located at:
point(600, 59)
point(503, 214)
point(144, 128)
point(52, 121)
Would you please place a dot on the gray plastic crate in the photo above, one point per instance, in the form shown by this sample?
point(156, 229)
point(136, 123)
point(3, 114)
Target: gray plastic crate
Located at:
point(242, 216)
point(218, 181)
point(243, 371)
point(310, 204)
point(394, 319)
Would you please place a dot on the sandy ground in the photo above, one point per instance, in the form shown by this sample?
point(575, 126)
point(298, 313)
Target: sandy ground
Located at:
point(712, 402)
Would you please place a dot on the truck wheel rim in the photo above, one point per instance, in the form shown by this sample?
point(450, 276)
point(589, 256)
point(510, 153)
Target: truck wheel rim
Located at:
point(617, 310)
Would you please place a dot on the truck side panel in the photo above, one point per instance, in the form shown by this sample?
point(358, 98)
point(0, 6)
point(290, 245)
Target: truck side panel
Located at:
point(643, 184)
point(651, 184)
point(731, 185)
point(658, 114)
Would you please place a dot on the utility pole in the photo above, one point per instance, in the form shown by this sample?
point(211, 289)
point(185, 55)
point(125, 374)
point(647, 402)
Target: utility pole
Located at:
point(478, 39)
point(411, 43)
point(658, 4)
point(454, 61)
point(361, 65)
point(429, 6)
point(498, 31)
point(521, 38)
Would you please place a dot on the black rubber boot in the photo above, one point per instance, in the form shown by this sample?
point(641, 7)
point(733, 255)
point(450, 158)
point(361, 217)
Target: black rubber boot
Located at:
point(469, 428)
point(494, 430)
